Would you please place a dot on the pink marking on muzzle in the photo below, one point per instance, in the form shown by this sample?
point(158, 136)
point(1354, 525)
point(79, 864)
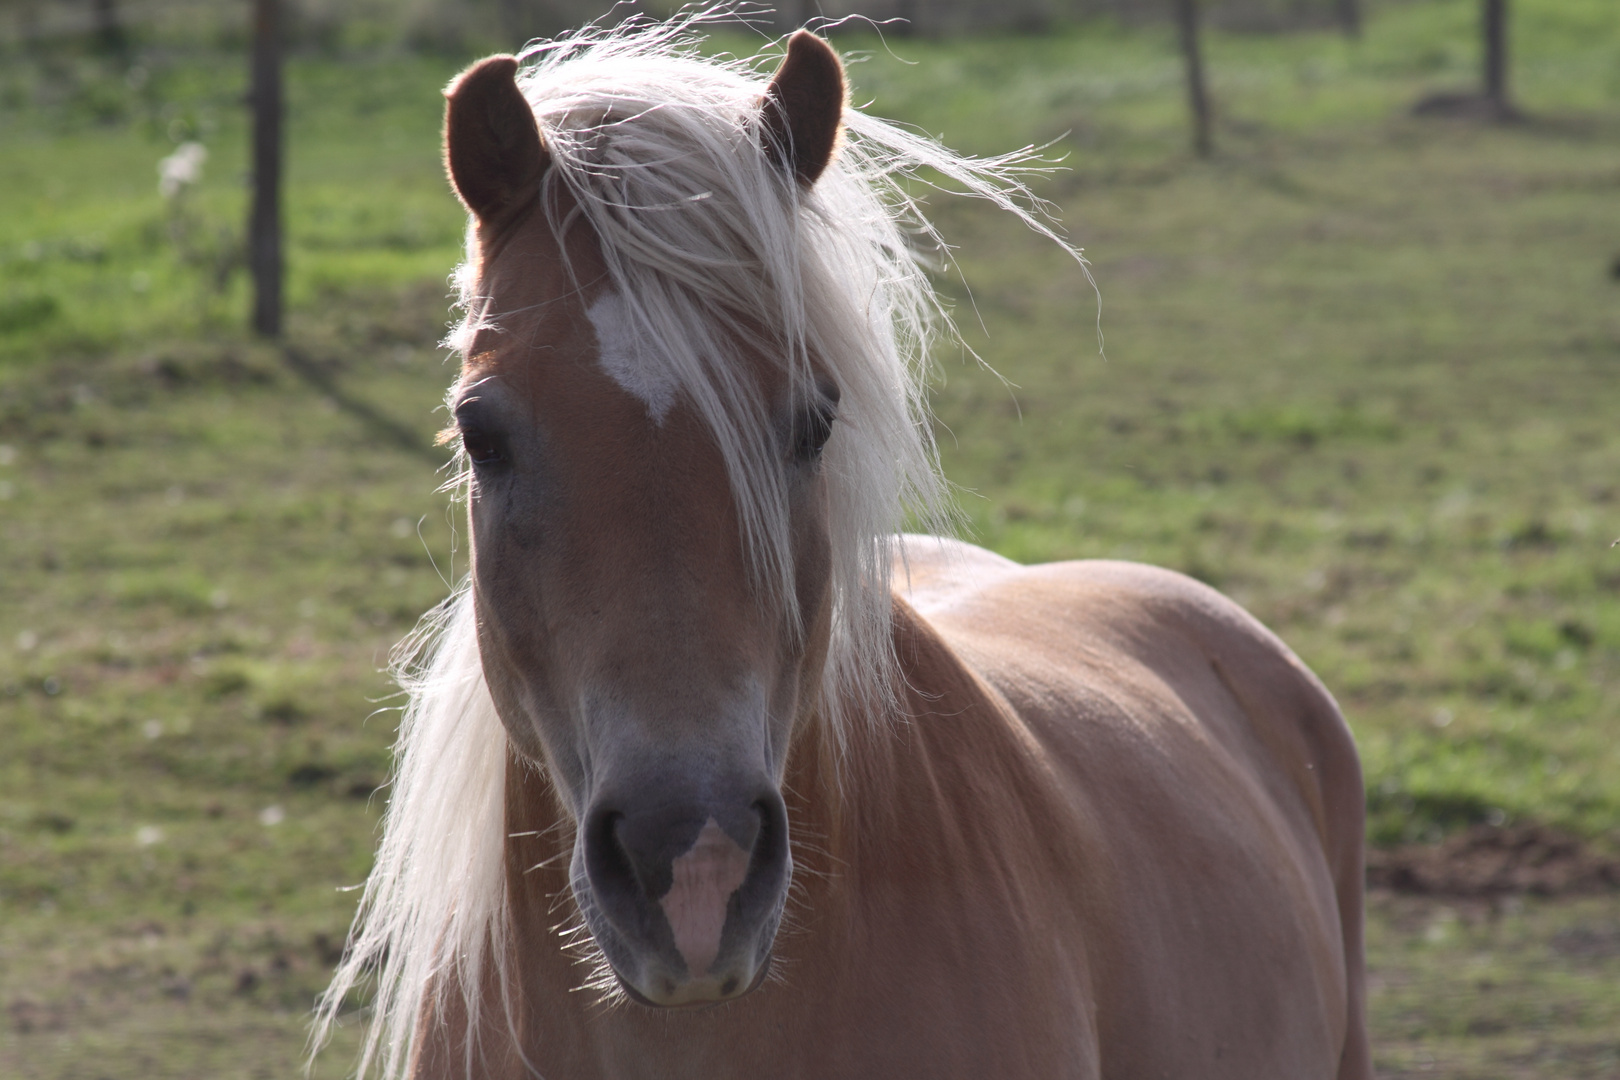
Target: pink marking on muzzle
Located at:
point(705, 878)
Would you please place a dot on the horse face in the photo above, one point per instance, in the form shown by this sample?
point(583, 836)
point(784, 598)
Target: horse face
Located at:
point(626, 648)
point(626, 644)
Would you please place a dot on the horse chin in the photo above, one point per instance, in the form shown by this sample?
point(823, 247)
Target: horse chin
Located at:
point(698, 993)
point(659, 979)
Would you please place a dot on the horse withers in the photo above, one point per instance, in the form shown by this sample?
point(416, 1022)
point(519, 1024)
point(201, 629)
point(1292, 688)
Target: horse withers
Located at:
point(706, 772)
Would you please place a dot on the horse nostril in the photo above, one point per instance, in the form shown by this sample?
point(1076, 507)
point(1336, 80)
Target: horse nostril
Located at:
point(772, 838)
point(610, 866)
point(768, 861)
point(763, 838)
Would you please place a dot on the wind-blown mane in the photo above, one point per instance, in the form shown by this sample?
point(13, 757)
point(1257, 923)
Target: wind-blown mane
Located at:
point(713, 255)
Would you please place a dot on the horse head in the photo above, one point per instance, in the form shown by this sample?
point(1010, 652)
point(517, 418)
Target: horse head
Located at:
point(652, 635)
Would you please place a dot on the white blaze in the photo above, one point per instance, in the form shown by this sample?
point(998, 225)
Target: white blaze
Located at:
point(705, 878)
point(627, 358)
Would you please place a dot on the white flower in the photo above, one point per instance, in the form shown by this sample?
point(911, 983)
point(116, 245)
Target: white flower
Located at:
point(181, 169)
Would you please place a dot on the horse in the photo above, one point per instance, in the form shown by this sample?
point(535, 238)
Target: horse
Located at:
point(709, 770)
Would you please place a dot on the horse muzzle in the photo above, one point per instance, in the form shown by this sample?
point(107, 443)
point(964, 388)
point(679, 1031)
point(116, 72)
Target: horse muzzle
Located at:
point(684, 895)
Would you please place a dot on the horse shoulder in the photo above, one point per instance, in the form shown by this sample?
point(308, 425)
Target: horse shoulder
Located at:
point(1028, 630)
point(1202, 753)
point(947, 889)
point(1209, 650)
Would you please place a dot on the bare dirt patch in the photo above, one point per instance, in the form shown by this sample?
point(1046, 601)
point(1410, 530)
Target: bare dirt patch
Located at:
point(1491, 861)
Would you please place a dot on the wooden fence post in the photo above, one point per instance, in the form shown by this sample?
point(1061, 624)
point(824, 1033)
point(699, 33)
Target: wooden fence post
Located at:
point(1493, 18)
point(1350, 18)
point(110, 36)
point(1197, 93)
point(514, 25)
point(906, 12)
point(264, 226)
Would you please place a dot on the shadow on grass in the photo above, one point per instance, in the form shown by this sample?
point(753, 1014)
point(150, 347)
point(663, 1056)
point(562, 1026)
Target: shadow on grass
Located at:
point(380, 424)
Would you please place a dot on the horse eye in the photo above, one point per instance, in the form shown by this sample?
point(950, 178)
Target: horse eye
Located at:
point(811, 432)
point(482, 447)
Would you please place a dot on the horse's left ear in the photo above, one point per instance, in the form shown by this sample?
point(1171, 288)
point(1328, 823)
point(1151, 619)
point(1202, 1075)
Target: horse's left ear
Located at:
point(803, 109)
point(492, 146)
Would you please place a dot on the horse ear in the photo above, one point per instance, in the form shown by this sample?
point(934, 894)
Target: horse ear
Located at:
point(492, 147)
point(803, 110)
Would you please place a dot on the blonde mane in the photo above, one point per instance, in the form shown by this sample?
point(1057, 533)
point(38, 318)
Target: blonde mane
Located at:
point(714, 256)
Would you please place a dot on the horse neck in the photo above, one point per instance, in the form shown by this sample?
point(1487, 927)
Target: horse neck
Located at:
point(946, 782)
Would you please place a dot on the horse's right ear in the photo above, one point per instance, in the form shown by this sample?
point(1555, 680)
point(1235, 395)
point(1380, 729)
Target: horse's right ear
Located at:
point(803, 108)
point(492, 146)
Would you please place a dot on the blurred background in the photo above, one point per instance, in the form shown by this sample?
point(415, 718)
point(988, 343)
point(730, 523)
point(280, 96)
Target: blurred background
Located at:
point(1359, 367)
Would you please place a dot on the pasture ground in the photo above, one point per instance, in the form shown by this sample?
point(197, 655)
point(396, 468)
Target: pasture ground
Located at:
point(1360, 373)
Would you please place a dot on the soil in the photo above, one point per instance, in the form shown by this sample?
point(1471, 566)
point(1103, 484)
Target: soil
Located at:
point(1489, 861)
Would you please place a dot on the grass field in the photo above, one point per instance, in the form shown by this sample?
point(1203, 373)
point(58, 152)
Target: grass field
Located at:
point(1360, 373)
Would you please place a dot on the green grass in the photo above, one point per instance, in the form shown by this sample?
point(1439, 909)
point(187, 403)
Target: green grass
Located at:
point(1518, 989)
point(1368, 393)
point(92, 257)
point(1359, 373)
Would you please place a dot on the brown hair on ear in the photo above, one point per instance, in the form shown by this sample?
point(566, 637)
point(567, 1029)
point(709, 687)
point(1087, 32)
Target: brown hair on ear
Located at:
point(803, 109)
point(492, 147)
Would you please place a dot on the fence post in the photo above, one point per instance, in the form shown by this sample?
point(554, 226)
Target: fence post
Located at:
point(906, 12)
point(110, 35)
point(264, 226)
point(514, 27)
point(1350, 18)
point(1494, 18)
point(1197, 93)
